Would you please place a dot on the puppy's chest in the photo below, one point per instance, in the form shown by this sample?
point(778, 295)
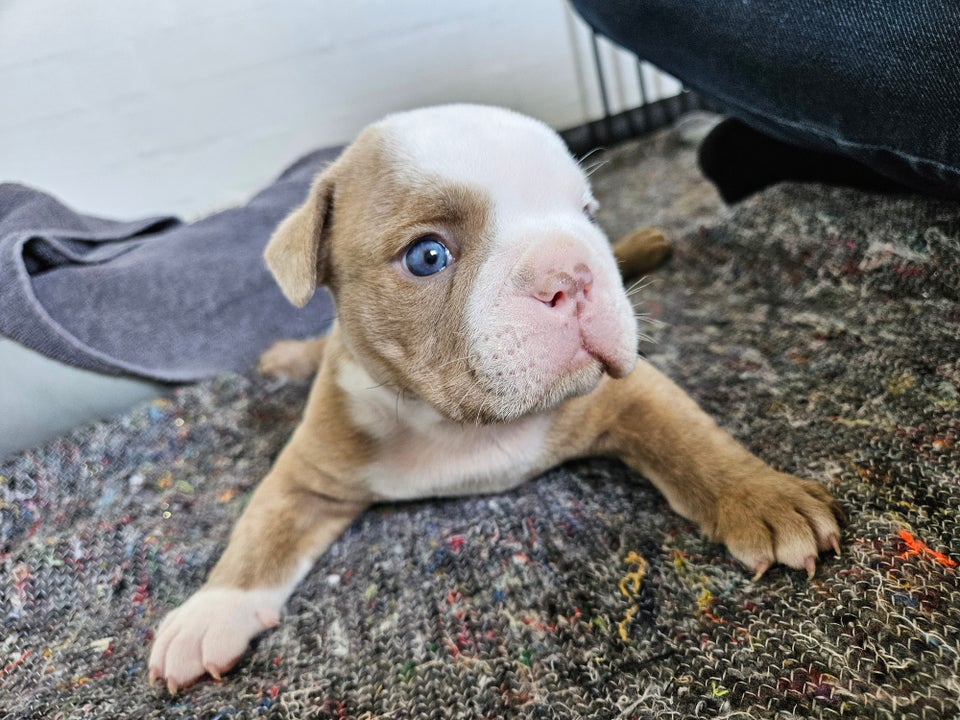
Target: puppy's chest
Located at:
point(420, 453)
point(424, 462)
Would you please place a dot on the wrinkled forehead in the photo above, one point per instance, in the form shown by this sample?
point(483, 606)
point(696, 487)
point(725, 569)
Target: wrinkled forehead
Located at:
point(519, 162)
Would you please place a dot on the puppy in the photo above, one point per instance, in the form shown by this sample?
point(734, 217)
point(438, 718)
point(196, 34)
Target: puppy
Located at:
point(483, 336)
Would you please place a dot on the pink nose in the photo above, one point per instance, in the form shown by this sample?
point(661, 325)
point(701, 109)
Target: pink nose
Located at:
point(562, 289)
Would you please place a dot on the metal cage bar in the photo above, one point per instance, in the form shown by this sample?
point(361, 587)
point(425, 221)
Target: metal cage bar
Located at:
point(648, 116)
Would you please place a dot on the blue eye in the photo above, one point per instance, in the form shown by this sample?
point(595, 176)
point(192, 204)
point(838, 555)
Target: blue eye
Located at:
point(426, 256)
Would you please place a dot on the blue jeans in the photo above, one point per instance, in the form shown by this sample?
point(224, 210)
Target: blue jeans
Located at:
point(874, 80)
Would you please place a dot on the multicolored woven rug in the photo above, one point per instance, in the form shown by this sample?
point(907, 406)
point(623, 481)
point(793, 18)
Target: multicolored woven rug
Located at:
point(820, 326)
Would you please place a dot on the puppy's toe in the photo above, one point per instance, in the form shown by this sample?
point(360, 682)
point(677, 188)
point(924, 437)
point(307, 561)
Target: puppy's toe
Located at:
point(778, 518)
point(208, 634)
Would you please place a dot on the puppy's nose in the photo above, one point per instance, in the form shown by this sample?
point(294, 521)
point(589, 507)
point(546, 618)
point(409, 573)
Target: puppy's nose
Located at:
point(562, 289)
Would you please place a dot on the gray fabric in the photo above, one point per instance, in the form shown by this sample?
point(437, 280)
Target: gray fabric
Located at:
point(156, 297)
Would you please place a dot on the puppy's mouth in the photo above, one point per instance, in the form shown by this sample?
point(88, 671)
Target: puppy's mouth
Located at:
point(495, 400)
point(582, 377)
point(611, 361)
point(538, 361)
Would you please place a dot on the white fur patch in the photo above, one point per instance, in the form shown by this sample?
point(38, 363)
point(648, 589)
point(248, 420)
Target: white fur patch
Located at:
point(424, 454)
point(531, 174)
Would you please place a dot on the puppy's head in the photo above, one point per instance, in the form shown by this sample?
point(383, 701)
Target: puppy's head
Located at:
point(459, 250)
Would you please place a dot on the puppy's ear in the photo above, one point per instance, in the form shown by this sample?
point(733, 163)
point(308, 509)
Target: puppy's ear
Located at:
point(298, 251)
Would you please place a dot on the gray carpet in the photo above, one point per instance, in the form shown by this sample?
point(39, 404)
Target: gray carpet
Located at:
point(820, 326)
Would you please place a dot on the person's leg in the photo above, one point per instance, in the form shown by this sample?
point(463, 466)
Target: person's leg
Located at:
point(740, 161)
point(875, 81)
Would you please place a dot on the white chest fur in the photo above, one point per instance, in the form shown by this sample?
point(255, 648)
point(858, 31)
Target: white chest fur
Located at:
point(422, 454)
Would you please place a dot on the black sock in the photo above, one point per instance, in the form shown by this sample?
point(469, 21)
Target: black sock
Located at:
point(741, 161)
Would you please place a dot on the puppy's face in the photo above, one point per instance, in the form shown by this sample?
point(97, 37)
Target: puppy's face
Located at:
point(457, 245)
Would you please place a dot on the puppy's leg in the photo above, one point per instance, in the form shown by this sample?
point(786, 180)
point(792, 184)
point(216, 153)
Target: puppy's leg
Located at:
point(282, 531)
point(295, 359)
point(761, 515)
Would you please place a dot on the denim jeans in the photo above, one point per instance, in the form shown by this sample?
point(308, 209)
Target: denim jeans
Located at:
point(875, 80)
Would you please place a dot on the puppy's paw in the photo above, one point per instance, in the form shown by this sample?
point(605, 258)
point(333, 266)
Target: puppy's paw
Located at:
point(294, 359)
point(208, 634)
point(641, 251)
point(778, 518)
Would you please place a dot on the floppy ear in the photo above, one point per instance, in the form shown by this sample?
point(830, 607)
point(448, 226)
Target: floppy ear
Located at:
point(297, 253)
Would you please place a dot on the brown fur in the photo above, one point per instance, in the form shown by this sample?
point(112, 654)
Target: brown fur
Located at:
point(361, 214)
point(641, 251)
point(428, 359)
point(645, 419)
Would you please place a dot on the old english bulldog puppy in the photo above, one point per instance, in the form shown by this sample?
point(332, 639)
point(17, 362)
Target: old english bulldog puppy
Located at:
point(483, 336)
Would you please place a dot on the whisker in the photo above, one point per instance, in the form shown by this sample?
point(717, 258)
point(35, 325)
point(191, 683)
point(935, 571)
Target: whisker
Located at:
point(459, 359)
point(640, 285)
point(593, 168)
point(597, 149)
point(649, 320)
point(399, 394)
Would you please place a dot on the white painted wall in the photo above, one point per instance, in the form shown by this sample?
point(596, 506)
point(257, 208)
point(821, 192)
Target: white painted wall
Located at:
point(132, 107)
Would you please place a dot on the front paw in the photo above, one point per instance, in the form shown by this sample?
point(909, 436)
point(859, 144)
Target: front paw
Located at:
point(778, 518)
point(209, 633)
